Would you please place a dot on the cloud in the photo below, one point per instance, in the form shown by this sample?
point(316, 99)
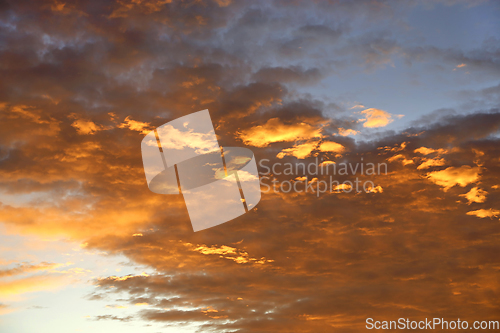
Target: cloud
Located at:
point(5, 309)
point(300, 151)
point(287, 289)
point(179, 139)
point(427, 151)
point(431, 162)
point(375, 189)
point(377, 118)
point(231, 253)
point(30, 116)
point(483, 213)
point(135, 125)
point(298, 262)
point(343, 187)
point(452, 176)
point(28, 268)
point(115, 306)
point(8, 289)
point(346, 132)
point(123, 278)
point(401, 157)
point(290, 74)
point(459, 66)
point(111, 317)
point(85, 127)
point(332, 147)
point(274, 130)
point(475, 195)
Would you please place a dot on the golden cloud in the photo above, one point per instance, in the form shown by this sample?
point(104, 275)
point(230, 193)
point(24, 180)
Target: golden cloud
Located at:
point(276, 131)
point(231, 253)
point(29, 268)
point(377, 118)
point(452, 176)
point(401, 157)
point(304, 150)
point(427, 151)
point(135, 125)
point(31, 284)
point(475, 195)
point(431, 163)
point(346, 132)
point(330, 146)
point(482, 213)
point(85, 126)
point(300, 151)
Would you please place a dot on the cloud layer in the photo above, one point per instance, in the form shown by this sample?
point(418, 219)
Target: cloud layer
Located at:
point(84, 81)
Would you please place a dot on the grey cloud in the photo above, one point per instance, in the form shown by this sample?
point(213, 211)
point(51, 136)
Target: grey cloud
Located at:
point(290, 74)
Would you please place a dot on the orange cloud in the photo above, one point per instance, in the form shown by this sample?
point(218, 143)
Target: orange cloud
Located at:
point(377, 118)
point(85, 126)
point(5, 309)
point(330, 146)
point(431, 163)
point(46, 125)
point(27, 268)
point(346, 132)
point(376, 189)
point(223, 3)
point(135, 125)
point(110, 218)
point(475, 195)
point(342, 187)
point(304, 150)
point(324, 163)
point(31, 284)
point(299, 151)
point(276, 131)
point(452, 176)
point(124, 278)
point(127, 7)
point(427, 151)
point(396, 148)
point(482, 213)
point(231, 253)
point(403, 159)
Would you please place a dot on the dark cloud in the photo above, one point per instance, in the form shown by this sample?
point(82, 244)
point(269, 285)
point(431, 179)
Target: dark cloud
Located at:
point(485, 59)
point(410, 251)
point(82, 82)
point(292, 74)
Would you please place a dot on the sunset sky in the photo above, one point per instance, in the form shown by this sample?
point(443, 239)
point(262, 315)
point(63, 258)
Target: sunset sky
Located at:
point(85, 246)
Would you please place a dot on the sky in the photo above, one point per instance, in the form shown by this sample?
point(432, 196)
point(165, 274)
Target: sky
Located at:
point(85, 246)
